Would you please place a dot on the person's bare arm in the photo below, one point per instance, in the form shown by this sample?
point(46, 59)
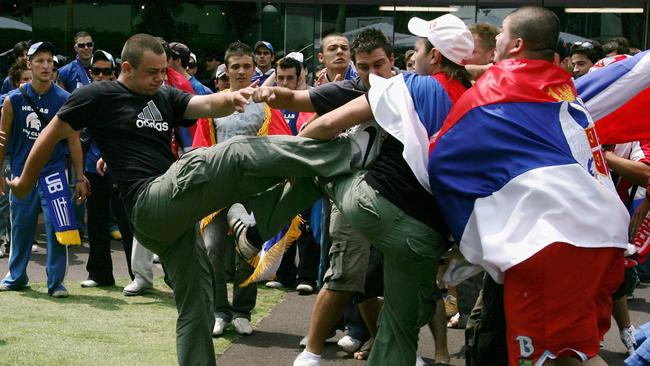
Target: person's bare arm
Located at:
point(218, 104)
point(6, 123)
point(635, 171)
point(81, 188)
point(283, 98)
point(54, 132)
point(332, 123)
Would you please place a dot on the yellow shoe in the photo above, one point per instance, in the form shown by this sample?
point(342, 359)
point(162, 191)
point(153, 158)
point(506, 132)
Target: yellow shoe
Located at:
point(116, 235)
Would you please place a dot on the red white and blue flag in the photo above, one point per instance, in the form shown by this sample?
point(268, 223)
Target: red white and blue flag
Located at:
point(618, 96)
point(518, 166)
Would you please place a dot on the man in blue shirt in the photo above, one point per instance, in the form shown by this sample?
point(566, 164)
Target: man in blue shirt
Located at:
point(22, 125)
point(76, 73)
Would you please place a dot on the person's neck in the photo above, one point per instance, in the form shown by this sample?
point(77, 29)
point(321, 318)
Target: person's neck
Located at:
point(331, 73)
point(85, 63)
point(264, 70)
point(236, 86)
point(183, 72)
point(41, 87)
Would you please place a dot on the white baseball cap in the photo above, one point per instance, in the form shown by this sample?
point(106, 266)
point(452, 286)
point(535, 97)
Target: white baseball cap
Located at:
point(221, 71)
point(296, 56)
point(448, 34)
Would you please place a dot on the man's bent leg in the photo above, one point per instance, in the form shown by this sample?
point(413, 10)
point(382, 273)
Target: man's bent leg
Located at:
point(191, 275)
point(206, 180)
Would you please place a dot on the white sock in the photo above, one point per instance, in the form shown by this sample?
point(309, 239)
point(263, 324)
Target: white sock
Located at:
point(306, 358)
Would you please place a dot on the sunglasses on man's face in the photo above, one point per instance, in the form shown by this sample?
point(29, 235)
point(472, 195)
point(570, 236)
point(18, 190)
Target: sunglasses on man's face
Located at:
point(191, 66)
point(85, 45)
point(101, 70)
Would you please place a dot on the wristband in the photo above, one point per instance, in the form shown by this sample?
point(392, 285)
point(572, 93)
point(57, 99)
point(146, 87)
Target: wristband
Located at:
point(80, 180)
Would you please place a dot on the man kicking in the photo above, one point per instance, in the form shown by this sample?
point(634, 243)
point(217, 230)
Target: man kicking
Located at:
point(131, 121)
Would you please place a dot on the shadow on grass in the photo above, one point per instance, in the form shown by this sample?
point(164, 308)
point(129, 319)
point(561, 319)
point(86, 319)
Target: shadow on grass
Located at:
point(99, 302)
point(110, 303)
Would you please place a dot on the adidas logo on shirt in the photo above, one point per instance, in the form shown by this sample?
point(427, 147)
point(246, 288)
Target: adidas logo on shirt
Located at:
point(150, 117)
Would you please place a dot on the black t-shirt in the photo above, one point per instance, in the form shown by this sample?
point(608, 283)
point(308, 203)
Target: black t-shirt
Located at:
point(390, 175)
point(133, 132)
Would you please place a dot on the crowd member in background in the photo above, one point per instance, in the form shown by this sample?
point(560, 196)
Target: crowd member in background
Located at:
point(240, 66)
point(72, 76)
point(208, 66)
point(288, 74)
point(562, 53)
point(616, 46)
point(408, 61)
point(484, 48)
point(104, 201)
point(180, 61)
point(264, 57)
point(221, 79)
point(584, 55)
point(21, 126)
point(19, 73)
point(77, 73)
point(334, 55)
point(20, 53)
point(192, 67)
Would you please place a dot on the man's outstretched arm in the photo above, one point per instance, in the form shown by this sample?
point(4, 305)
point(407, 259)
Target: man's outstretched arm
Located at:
point(331, 124)
point(283, 98)
point(54, 132)
point(218, 104)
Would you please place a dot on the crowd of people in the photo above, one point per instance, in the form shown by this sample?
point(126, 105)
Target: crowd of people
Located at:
point(404, 217)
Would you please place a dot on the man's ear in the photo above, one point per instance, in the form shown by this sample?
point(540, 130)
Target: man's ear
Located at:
point(127, 68)
point(391, 58)
point(320, 57)
point(518, 46)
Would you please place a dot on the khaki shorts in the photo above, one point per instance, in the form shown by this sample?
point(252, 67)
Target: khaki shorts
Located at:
point(348, 256)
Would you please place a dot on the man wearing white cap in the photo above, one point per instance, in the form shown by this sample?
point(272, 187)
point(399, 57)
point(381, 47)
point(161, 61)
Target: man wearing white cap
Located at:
point(388, 204)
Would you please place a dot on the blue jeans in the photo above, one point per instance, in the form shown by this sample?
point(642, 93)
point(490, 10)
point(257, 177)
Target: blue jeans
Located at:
point(24, 220)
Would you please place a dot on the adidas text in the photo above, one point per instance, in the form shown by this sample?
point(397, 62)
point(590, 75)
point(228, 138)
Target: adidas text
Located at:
point(160, 126)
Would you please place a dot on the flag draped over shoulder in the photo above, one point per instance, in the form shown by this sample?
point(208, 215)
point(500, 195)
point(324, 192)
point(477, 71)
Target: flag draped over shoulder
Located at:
point(518, 166)
point(618, 96)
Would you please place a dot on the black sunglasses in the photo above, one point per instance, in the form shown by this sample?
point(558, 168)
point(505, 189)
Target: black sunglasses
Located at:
point(85, 45)
point(191, 66)
point(101, 70)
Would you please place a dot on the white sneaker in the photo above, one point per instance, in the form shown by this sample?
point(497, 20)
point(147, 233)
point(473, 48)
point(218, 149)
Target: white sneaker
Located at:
point(627, 337)
point(156, 258)
point(242, 326)
point(349, 344)
point(366, 139)
point(59, 294)
point(2, 250)
point(35, 248)
point(136, 288)
point(307, 359)
point(89, 283)
point(305, 289)
point(419, 361)
point(245, 248)
point(220, 326)
point(274, 284)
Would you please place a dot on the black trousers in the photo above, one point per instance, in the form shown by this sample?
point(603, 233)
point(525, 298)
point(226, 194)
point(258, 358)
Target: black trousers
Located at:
point(308, 258)
point(103, 198)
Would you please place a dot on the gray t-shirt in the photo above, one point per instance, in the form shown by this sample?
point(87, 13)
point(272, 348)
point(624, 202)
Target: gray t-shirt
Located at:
point(246, 123)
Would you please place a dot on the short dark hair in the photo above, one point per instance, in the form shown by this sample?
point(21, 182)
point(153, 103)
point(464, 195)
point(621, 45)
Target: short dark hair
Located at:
point(486, 33)
point(20, 48)
point(288, 63)
point(137, 44)
point(238, 48)
point(590, 49)
point(81, 34)
point(369, 40)
point(330, 35)
point(620, 45)
point(16, 70)
point(538, 27)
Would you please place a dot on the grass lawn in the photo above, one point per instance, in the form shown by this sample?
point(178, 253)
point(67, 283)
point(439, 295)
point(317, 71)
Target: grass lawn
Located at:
point(99, 326)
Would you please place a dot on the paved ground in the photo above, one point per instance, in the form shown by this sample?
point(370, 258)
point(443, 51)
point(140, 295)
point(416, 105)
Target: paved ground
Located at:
point(275, 341)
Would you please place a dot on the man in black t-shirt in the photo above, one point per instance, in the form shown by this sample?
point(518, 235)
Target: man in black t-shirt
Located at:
point(131, 120)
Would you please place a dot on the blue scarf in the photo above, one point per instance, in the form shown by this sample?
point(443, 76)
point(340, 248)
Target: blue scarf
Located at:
point(57, 194)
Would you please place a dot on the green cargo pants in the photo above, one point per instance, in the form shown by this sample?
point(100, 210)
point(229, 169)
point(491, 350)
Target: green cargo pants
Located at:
point(411, 250)
point(201, 182)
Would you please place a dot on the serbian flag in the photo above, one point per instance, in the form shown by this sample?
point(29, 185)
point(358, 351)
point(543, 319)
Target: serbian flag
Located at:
point(518, 166)
point(287, 123)
point(178, 81)
point(412, 108)
point(618, 96)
